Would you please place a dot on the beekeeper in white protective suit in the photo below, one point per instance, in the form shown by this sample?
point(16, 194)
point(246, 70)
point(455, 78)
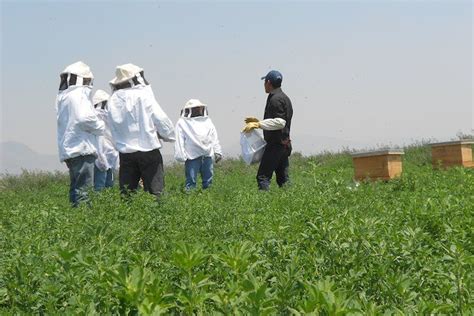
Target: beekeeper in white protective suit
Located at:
point(137, 122)
point(107, 161)
point(197, 143)
point(78, 126)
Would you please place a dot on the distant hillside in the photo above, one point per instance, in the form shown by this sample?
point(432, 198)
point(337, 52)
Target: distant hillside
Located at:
point(16, 156)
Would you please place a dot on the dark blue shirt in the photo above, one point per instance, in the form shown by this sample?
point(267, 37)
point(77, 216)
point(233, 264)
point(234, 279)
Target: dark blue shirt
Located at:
point(278, 106)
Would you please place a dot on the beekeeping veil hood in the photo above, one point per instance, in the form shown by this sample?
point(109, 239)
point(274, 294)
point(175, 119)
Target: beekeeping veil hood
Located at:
point(128, 75)
point(191, 109)
point(196, 135)
point(100, 99)
point(77, 74)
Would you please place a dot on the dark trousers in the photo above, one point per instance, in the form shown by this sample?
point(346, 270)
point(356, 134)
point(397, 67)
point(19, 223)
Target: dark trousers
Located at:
point(81, 174)
point(147, 165)
point(274, 159)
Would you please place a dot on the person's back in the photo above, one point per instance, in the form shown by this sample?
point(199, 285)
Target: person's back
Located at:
point(133, 112)
point(75, 137)
point(137, 123)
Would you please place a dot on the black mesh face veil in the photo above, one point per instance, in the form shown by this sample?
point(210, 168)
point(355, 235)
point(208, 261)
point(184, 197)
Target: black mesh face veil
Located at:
point(67, 80)
point(195, 112)
point(102, 105)
point(142, 74)
point(63, 83)
point(72, 79)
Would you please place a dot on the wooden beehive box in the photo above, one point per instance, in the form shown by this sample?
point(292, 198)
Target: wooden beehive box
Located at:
point(455, 153)
point(377, 165)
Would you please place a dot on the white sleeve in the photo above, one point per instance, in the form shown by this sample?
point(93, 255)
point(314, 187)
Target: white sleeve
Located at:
point(101, 161)
point(179, 152)
point(87, 119)
point(217, 145)
point(273, 124)
point(163, 124)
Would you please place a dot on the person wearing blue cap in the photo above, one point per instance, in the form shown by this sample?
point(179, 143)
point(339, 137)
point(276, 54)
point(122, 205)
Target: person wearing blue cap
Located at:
point(276, 126)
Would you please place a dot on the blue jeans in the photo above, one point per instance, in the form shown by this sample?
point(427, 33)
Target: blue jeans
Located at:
point(81, 174)
point(202, 165)
point(103, 179)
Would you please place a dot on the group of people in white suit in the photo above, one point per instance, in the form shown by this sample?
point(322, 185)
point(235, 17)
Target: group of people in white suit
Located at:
point(100, 134)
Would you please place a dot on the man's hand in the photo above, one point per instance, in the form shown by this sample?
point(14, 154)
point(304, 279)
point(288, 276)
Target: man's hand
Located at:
point(251, 119)
point(251, 126)
point(217, 157)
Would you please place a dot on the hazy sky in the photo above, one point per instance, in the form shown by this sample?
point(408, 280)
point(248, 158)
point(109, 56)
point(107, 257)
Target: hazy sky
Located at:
point(359, 73)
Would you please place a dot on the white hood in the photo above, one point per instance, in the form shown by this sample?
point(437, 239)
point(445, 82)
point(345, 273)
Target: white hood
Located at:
point(100, 96)
point(80, 69)
point(190, 105)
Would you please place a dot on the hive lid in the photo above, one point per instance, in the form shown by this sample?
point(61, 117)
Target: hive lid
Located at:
point(378, 153)
point(455, 142)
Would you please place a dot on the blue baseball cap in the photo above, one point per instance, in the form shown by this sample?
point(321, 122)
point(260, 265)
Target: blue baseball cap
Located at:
point(275, 78)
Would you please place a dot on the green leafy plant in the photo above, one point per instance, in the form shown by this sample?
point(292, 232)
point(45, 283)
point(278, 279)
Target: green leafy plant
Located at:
point(323, 246)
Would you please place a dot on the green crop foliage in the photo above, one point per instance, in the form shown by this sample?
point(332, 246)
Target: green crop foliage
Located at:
point(322, 246)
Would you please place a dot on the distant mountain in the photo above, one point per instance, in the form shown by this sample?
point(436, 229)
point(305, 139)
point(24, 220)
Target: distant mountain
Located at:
point(17, 156)
point(14, 157)
point(307, 145)
point(310, 145)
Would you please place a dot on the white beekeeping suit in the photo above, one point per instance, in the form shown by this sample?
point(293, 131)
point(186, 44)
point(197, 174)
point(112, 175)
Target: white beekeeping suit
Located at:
point(77, 123)
point(196, 136)
point(136, 119)
point(108, 156)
